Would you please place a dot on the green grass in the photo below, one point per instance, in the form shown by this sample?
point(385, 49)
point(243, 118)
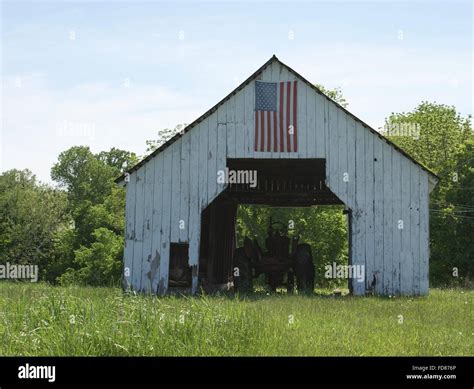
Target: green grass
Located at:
point(44, 320)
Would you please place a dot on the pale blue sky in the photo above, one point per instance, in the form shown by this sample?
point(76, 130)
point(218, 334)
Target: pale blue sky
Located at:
point(111, 74)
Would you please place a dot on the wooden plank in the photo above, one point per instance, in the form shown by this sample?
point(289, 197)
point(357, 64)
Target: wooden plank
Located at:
point(311, 110)
point(388, 223)
point(424, 233)
point(397, 220)
point(301, 118)
point(221, 154)
point(320, 125)
point(157, 216)
point(240, 124)
point(166, 221)
point(231, 126)
point(333, 150)
point(354, 152)
point(406, 260)
point(356, 195)
point(378, 214)
point(343, 169)
point(139, 224)
point(195, 211)
point(203, 130)
point(415, 226)
point(369, 208)
point(249, 119)
point(184, 188)
point(212, 159)
point(148, 226)
point(129, 230)
point(175, 188)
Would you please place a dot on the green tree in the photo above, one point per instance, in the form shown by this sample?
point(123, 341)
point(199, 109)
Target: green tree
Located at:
point(32, 216)
point(164, 135)
point(335, 94)
point(97, 208)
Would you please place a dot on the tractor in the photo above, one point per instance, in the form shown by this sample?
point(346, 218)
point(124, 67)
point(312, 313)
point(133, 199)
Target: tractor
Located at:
point(283, 260)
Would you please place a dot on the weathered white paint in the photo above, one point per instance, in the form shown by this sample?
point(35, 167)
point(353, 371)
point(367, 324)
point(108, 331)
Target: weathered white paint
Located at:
point(157, 218)
point(383, 187)
point(406, 261)
point(138, 228)
point(165, 221)
point(129, 230)
point(147, 226)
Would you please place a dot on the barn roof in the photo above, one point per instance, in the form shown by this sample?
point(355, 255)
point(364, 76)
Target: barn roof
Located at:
point(241, 86)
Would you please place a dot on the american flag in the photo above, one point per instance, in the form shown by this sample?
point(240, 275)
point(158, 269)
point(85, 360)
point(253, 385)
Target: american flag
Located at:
point(275, 116)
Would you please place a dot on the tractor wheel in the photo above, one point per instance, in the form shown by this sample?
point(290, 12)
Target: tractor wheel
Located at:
point(304, 269)
point(290, 283)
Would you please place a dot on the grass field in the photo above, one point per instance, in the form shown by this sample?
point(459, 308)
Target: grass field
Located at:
point(37, 319)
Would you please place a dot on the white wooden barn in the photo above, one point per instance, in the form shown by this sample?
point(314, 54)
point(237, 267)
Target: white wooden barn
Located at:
point(307, 150)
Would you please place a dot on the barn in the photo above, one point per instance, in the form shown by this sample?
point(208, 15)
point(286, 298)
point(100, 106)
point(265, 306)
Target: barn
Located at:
point(305, 150)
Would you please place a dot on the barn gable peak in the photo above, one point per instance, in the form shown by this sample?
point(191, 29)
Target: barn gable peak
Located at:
point(433, 177)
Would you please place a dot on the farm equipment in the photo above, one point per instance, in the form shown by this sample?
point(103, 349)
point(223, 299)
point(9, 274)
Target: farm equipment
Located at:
point(283, 260)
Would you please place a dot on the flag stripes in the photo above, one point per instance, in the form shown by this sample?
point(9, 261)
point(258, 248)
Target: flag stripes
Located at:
point(276, 129)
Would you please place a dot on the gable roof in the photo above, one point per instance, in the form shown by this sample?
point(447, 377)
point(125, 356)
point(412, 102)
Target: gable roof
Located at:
point(241, 86)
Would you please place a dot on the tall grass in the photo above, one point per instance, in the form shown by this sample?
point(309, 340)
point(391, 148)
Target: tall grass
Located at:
point(44, 320)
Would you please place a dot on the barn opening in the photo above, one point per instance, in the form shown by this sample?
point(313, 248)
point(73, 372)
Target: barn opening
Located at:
point(180, 274)
point(280, 185)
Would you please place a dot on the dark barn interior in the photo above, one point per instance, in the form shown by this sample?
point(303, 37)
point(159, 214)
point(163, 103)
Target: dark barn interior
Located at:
point(280, 183)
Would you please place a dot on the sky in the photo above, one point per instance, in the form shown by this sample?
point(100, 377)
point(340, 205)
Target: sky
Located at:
point(111, 74)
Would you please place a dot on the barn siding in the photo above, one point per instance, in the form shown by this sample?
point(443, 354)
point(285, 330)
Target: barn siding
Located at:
point(406, 261)
point(147, 227)
point(139, 227)
point(157, 220)
point(370, 263)
point(194, 208)
point(166, 221)
point(129, 230)
point(358, 181)
point(384, 187)
point(185, 189)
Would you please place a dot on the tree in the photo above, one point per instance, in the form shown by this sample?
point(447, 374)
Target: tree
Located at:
point(32, 216)
point(164, 135)
point(97, 208)
point(335, 94)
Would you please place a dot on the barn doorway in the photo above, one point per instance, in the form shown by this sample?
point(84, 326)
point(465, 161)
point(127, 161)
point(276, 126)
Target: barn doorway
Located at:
point(325, 228)
point(286, 189)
